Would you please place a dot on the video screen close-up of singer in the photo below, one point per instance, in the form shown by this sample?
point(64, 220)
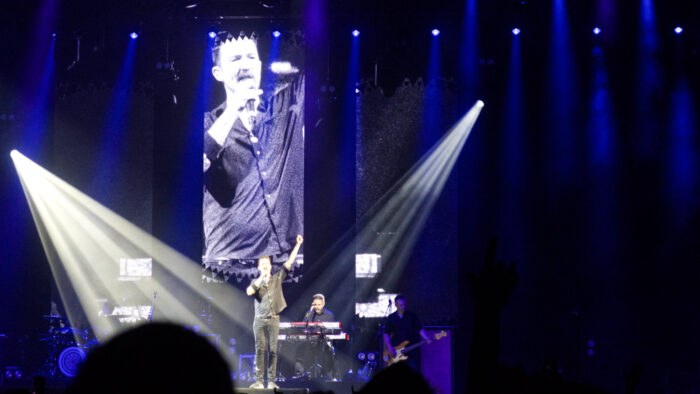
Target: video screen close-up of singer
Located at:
point(253, 157)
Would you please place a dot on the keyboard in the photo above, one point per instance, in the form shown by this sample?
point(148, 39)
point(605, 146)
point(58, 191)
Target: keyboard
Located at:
point(328, 325)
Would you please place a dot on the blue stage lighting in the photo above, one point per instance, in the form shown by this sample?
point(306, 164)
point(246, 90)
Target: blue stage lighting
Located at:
point(212, 34)
point(133, 35)
point(678, 30)
point(596, 30)
point(276, 34)
point(435, 32)
point(515, 31)
point(355, 33)
point(53, 35)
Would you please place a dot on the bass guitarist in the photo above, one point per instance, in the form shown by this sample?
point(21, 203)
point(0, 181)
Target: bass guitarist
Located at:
point(404, 328)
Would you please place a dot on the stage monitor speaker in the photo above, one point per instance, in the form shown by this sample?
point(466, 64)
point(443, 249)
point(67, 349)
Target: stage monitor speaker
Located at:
point(437, 361)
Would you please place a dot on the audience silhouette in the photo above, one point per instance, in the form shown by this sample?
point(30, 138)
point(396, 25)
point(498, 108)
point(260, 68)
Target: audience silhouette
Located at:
point(154, 358)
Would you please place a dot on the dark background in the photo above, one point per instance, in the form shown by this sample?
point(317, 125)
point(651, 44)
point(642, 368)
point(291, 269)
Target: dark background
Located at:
point(607, 253)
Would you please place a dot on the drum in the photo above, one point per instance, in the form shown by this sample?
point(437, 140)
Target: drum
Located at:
point(70, 359)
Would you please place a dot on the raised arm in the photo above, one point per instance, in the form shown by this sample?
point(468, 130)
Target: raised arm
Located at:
point(293, 255)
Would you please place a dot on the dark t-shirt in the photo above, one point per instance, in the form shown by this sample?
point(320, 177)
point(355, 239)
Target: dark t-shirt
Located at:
point(269, 299)
point(403, 328)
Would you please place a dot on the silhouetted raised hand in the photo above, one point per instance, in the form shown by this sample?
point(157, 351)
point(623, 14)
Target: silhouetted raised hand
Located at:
point(496, 281)
point(632, 377)
point(491, 289)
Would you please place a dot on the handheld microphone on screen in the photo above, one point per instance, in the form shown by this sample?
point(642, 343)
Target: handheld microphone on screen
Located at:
point(250, 105)
point(249, 110)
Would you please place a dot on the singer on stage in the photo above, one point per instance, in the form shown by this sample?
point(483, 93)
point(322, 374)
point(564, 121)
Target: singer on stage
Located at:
point(269, 302)
point(253, 159)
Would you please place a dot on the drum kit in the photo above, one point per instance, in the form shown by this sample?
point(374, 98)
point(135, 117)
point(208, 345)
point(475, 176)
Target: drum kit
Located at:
point(67, 348)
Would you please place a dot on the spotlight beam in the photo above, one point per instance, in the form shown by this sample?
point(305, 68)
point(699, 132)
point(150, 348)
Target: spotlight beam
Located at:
point(402, 210)
point(64, 216)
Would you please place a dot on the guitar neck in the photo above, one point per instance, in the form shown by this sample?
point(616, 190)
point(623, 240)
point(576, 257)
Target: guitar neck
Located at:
point(423, 342)
point(415, 345)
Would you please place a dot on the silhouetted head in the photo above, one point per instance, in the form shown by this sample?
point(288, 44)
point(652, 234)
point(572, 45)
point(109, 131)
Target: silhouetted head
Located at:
point(154, 358)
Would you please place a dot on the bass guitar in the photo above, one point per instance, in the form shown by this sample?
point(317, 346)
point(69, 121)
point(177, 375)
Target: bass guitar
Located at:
point(403, 348)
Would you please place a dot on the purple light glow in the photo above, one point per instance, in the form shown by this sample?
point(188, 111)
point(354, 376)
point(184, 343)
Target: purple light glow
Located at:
point(435, 32)
point(212, 34)
point(133, 35)
point(515, 31)
point(596, 30)
point(678, 30)
point(276, 34)
point(355, 33)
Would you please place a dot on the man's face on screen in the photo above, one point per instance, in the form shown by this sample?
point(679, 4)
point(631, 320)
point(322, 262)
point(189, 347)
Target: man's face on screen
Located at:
point(238, 66)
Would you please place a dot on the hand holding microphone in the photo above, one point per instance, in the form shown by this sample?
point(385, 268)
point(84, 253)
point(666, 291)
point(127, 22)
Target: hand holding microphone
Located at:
point(248, 101)
point(263, 277)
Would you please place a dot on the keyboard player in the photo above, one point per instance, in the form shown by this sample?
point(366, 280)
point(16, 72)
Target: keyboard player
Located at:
point(318, 311)
point(317, 355)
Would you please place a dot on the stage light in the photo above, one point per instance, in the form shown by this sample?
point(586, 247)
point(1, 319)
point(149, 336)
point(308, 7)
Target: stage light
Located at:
point(133, 35)
point(97, 231)
point(355, 33)
point(678, 30)
point(596, 30)
point(361, 356)
point(371, 356)
point(435, 32)
point(276, 34)
point(283, 68)
point(212, 34)
point(53, 35)
point(14, 154)
point(515, 31)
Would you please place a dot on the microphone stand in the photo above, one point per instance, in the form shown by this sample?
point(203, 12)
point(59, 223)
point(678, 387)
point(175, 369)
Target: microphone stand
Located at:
point(153, 306)
point(309, 316)
point(380, 336)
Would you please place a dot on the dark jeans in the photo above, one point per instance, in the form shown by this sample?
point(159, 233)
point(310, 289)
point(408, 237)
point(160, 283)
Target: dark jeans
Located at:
point(266, 331)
